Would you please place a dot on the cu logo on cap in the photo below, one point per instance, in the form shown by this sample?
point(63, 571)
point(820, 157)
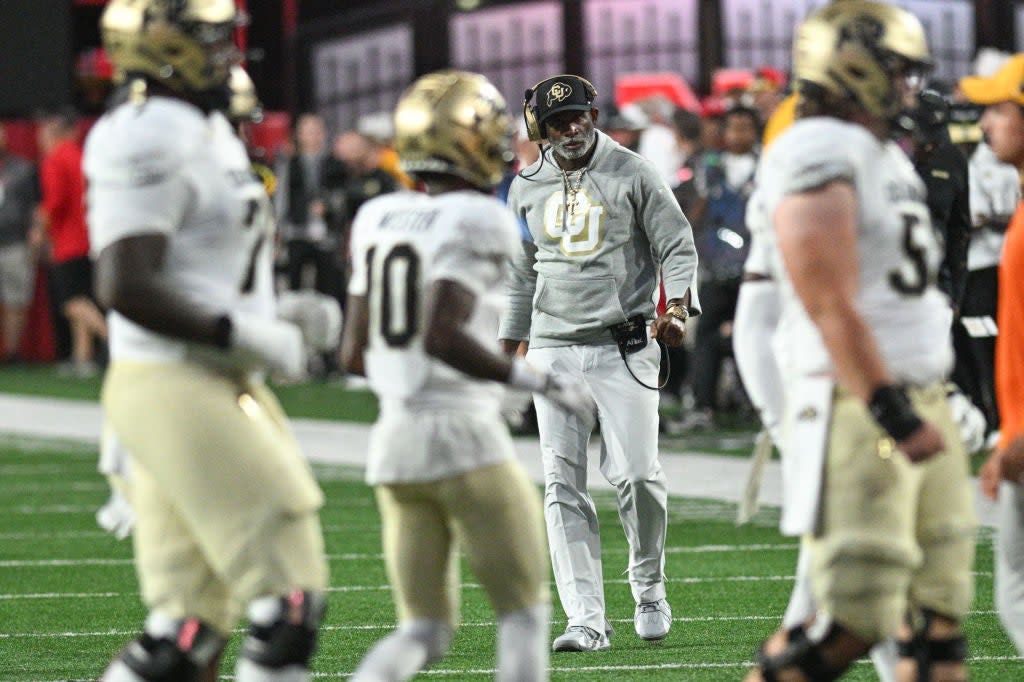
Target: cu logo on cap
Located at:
point(558, 92)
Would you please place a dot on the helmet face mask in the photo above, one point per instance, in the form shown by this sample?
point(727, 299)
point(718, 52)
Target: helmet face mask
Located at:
point(184, 45)
point(869, 53)
point(454, 123)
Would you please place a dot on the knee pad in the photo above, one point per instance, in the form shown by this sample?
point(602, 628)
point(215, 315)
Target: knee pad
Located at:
point(283, 630)
point(168, 651)
point(925, 650)
point(434, 635)
point(803, 652)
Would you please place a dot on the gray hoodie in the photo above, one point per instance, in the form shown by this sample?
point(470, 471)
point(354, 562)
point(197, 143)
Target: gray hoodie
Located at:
point(598, 265)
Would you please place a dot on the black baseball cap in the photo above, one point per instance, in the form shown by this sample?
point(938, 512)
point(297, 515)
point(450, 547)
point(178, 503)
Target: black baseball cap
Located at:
point(563, 93)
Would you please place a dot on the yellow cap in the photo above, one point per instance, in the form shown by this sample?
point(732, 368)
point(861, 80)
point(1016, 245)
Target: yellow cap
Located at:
point(1006, 85)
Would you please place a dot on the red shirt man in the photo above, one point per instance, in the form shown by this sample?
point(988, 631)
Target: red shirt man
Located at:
point(63, 212)
point(63, 188)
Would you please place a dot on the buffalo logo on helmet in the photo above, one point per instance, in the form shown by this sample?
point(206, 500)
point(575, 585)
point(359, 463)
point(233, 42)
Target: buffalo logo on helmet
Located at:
point(558, 92)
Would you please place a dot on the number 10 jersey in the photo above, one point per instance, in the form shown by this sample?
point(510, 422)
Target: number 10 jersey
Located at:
point(898, 251)
point(401, 245)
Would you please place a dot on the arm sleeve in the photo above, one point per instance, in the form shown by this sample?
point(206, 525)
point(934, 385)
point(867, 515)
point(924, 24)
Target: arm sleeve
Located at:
point(135, 188)
point(669, 233)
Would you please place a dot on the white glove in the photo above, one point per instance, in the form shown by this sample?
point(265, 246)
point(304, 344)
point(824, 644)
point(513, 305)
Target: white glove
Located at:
point(317, 316)
point(117, 516)
point(571, 396)
point(969, 419)
point(261, 343)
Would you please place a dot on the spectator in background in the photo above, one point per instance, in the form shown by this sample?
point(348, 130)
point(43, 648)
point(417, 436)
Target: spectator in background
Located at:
point(364, 177)
point(767, 91)
point(725, 182)
point(1003, 472)
point(19, 194)
point(626, 125)
point(995, 190)
point(379, 129)
point(658, 140)
point(711, 136)
point(304, 179)
point(62, 215)
point(687, 126)
point(942, 167)
point(689, 140)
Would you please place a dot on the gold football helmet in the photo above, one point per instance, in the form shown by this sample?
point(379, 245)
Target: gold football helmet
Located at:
point(454, 122)
point(186, 45)
point(859, 50)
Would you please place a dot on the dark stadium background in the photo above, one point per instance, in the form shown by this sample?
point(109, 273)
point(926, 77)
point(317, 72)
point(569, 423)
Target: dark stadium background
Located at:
point(41, 41)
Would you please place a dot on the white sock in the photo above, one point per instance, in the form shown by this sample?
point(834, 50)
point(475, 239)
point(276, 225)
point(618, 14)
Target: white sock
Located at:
point(885, 655)
point(404, 652)
point(523, 644)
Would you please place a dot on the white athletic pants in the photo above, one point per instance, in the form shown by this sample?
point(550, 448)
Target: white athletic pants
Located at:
point(629, 461)
point(1009, 586)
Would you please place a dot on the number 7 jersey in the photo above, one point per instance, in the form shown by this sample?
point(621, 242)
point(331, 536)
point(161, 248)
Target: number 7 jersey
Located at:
point(402, 244)
point(898, 252)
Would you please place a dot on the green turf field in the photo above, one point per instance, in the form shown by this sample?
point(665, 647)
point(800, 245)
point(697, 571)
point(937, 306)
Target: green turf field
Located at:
point(68, 594)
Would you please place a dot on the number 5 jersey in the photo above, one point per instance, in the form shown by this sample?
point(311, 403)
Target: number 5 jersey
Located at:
point(898, 253)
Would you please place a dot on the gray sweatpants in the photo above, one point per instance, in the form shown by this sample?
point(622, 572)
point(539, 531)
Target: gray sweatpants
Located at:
point(629, 461)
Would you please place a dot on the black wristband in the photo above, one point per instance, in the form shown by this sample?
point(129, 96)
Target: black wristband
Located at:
point(222, 332)
point(891, 407)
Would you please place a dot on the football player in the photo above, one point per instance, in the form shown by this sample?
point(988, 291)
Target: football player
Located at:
point(874, 469)
point(424, 303)
point(226, 506)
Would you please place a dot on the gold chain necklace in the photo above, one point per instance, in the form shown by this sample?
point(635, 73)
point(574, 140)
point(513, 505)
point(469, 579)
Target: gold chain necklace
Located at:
point(572, 183)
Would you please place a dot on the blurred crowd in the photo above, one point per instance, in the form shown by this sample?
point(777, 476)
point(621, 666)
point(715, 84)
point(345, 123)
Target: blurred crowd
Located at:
point(707, 154)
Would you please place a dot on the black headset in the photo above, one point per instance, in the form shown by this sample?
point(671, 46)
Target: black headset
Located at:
point(535, 130)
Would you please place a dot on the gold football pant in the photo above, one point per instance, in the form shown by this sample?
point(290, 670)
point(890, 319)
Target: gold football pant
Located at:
point(494, 513)
point(226, 504)
point(893, 535)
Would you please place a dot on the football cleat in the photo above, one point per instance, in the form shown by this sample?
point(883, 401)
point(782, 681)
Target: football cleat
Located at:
point(652, 619)
point(580, 638)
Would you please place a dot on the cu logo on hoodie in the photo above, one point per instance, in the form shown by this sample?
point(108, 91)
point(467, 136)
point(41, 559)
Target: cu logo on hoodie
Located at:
point(577, 227)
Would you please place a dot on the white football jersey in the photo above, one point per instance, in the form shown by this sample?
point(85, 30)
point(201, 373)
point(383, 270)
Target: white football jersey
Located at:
point(898, 253)
point(164, 167)
point(401, 244)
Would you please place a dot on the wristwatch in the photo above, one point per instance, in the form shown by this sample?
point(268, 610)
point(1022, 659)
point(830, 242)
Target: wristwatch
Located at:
point(678, 312)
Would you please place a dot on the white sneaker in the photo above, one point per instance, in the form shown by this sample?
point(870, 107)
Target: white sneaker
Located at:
point(580, 638)
point(652, 619)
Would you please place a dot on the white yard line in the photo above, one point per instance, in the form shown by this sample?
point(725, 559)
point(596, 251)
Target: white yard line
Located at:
point(385, 588)
point(556, 623)
point(330, 442)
